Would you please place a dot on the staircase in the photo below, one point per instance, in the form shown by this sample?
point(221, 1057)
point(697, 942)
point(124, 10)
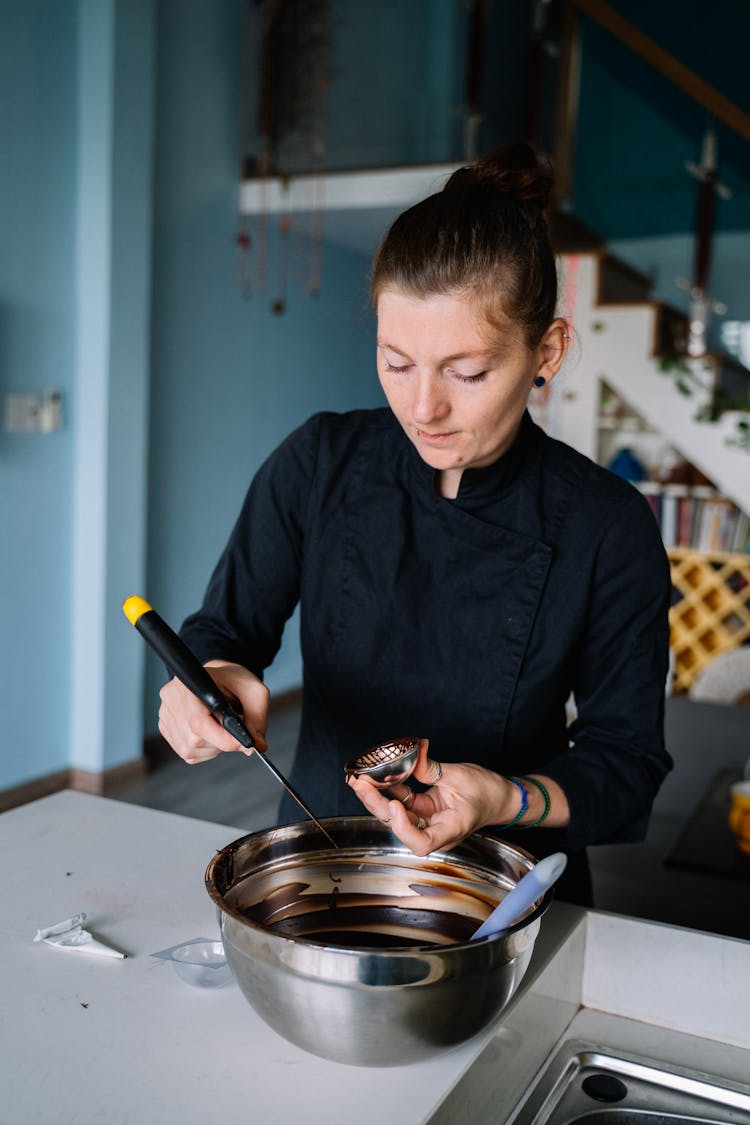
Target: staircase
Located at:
point(637, 347)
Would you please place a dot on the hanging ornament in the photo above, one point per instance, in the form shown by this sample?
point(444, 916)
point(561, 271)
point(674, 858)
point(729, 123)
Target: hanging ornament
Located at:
point(316, 268)
point(278, 305)
point(284, 134)
point(244, 246)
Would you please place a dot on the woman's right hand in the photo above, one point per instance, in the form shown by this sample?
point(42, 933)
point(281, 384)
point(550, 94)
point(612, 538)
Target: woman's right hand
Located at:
point(193, 732)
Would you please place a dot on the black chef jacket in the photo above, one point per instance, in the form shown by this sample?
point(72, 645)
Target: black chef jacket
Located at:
point(466, 621)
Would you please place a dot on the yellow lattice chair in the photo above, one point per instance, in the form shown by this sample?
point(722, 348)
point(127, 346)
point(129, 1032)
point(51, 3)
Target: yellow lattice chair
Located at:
point(711, 613)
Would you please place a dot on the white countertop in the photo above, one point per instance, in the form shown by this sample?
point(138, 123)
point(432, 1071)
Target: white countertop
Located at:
point(88, 1039)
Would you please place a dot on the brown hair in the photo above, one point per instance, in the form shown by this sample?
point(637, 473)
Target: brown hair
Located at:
point(484, 234)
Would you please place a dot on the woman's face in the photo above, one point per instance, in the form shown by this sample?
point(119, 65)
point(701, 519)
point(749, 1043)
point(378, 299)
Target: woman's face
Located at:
point(458, 387)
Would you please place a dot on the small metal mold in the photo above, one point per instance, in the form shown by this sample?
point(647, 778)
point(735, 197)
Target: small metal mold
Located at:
point(386, 764)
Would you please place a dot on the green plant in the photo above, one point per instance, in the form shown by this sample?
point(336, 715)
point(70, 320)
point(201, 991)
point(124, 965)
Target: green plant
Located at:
point(687, 381)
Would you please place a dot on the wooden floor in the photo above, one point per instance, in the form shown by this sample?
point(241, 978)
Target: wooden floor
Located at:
point(628, 879)
point(230, 789)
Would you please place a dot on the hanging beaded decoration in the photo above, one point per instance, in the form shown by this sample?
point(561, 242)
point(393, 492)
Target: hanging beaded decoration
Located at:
point(287, 110)
point(244, 246)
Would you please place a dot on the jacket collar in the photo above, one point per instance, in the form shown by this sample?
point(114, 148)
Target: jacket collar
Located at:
point(479, 486)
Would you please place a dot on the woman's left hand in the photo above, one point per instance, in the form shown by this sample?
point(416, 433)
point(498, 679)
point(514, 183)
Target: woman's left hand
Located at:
point(462, 798)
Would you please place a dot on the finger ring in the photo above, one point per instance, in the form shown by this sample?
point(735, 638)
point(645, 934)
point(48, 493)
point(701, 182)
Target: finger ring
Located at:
point(407, 800)
point(421, 823)
point(439, 772)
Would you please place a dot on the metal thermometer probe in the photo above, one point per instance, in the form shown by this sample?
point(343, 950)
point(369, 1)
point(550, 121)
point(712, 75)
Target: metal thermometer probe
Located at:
point(185, 665)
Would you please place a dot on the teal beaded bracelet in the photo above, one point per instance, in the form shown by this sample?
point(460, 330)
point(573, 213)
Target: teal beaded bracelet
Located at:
point(542, 789)
point(524, 802)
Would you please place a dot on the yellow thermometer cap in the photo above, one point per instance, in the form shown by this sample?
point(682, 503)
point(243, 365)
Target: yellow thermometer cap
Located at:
point(135, 607)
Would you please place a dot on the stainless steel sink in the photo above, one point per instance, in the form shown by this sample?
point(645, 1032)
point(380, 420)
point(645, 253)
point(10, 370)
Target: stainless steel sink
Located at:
point(587, 1084)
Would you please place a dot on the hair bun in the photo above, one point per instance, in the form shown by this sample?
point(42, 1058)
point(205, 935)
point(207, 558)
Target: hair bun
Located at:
point(514, 170)
point(484, 234)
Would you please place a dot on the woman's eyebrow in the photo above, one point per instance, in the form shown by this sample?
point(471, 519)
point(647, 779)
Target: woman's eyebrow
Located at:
point(382, 345)
point(483, 354)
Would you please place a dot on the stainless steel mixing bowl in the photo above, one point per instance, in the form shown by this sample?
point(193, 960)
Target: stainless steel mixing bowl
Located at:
point(361, 954)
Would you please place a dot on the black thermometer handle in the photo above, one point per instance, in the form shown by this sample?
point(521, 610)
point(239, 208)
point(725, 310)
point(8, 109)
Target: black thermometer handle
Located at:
point(186, 666)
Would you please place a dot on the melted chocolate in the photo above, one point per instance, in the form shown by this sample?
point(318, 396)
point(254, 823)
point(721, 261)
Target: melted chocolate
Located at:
point(379, 927)
point(368, 909)
point(357, 921)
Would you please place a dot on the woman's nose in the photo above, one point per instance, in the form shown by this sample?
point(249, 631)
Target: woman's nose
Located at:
point(429, 403)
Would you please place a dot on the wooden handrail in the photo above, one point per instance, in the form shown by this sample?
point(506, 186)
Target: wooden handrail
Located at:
point(680, 75)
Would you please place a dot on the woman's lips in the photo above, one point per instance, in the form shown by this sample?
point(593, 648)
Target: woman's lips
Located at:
point(435, 439)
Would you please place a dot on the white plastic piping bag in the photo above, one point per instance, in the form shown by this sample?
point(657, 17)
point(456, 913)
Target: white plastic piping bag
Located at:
point(70, 934)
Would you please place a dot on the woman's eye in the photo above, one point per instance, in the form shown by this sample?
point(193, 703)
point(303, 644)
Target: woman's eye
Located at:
point(469, 378)
point(402, 368)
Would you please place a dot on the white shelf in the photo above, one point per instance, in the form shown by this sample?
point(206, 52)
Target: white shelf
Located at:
point(344, 191)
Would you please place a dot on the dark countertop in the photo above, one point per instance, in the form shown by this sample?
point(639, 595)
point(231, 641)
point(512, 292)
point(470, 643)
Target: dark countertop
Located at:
point(687, 872)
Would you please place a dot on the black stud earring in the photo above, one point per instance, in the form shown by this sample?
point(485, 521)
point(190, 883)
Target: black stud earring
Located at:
point(540, 381)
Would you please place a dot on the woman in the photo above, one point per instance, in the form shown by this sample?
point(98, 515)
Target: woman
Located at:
point(459, 572)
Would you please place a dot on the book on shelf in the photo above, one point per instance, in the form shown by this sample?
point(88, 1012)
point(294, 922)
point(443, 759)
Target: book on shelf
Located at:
point(697, 516)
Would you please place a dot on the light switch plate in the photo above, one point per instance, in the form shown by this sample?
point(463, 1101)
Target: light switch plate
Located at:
point(22, 413)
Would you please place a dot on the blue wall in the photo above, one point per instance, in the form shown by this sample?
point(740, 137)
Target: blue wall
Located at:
point(711, 39)
point(636, 130)
point(37, 350)
point(229, 379)
point(371, 119)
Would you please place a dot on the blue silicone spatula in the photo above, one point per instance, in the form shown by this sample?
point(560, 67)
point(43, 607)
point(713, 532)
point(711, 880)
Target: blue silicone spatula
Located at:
point(526, 891)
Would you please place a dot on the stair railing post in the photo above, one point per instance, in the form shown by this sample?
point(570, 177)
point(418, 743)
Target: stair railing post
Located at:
point(567, 112)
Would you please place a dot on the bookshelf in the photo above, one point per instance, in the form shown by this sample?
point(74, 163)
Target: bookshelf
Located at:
point(690, 511)
point(706, 536)
point(697, 517)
